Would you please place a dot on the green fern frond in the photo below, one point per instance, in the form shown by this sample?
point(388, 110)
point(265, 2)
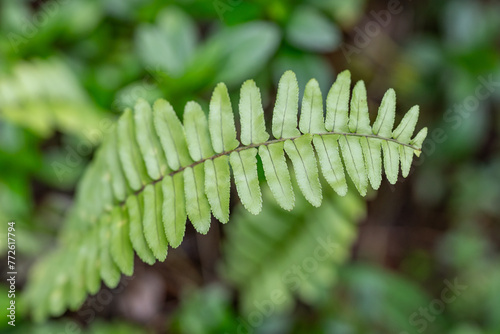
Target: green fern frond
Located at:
point(154, 171)
point(290, 254)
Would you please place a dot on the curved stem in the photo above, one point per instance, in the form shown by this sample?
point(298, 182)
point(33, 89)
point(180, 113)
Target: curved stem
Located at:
point(269, 142)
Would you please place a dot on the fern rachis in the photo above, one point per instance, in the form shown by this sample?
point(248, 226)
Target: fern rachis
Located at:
point(153, 172)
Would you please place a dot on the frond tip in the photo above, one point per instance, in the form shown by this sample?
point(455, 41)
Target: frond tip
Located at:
point(153, 172)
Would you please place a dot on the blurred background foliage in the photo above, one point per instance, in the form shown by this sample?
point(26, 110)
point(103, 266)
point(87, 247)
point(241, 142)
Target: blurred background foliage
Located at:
point(68, 68)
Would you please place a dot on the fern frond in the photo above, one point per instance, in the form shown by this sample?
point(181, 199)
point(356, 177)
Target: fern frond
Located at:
point(290, 254)
point(155, 171)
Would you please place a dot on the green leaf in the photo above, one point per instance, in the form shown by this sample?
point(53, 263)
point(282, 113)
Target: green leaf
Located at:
point(218, 186)
point(277, 174)
point(386, 113)
point(197, 206)
point(110, 273)
point(107, 199)
point(118, 182)
point(221, 121)
point(97, 175)
point(121, 247)
point(359, 121)
point(327, 148)
point(373, 158)
point(197, 135)
point(171, 133)
point(245, 48)
point(148, 141)
point(136, 233)
point(406, 156)
point(310, 30)
point(100, 198)
point(37, 291)
point(253, 128)
point(391, 160)
point(93, 265)
point(405, 129)
point(354, 163)
point(57, 302)
point(337, 103)
point(85, 212)
point(174, 209)
point(170, 44)
point(286, 108)
point(152, 220)
point(311, 116)
point(301, 153)
point(77, 280)
point(130, 156)
point(418, 140)
point(244, 164)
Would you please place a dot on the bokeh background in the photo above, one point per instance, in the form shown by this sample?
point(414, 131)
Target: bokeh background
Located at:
point(418, 257)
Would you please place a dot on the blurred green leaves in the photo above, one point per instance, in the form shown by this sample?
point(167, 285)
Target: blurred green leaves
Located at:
point(346, 13)
point(169, 44)
point(244, 50)
point(180, 65)
point(205, 311)
point(277, 255)
point(379, 301)
point(43, 96)
point(310, 30)
point(28, 30)
point(305, 66)
point(230, 54)
point(69, 326)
